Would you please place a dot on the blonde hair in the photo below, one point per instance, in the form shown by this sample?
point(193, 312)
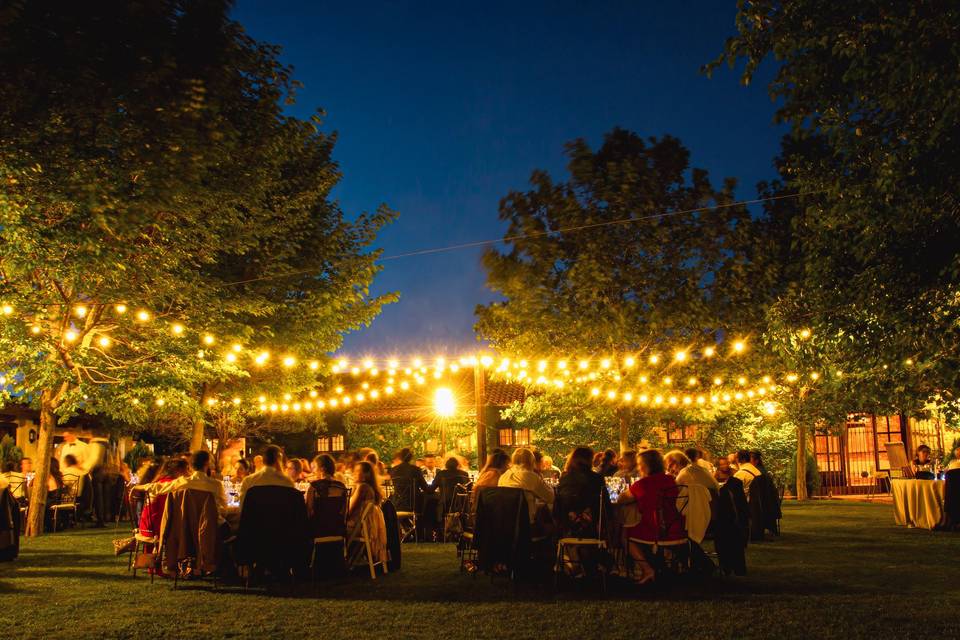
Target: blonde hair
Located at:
point(524, 458)
point(679, 457)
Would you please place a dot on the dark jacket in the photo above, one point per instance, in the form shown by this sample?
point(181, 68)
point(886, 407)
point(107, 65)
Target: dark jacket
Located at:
point(408, 487)
point(502, 534)
point(393, 535)
point(951, 501)
point(580, 495)
point(9, 526)
point(731, 527)
point(274, 533)
point(446, 482)
point(189, 530)
point(764, 505)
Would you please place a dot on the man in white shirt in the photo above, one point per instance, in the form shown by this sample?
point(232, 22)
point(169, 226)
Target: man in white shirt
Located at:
point(746, 471)
point(73, 447)
point(271, 475)
point(199, 479)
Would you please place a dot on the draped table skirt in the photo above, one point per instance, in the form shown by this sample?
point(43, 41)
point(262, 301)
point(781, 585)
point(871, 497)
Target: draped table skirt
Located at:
point(917, 503)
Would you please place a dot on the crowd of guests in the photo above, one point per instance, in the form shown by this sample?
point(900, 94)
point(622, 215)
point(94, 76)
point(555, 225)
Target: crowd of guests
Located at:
point(569, 503)
point(81, 474)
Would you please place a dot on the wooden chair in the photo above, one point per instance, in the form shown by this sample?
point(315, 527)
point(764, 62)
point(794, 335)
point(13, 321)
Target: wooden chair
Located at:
point(670, 553)
point(331, 512)
point(68, 502)
point(361, 538)
point(879, 479)
point(404, 498)
point(572, 548)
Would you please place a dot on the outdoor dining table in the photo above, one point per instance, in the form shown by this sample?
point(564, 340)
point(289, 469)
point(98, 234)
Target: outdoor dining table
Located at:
point(917, 503)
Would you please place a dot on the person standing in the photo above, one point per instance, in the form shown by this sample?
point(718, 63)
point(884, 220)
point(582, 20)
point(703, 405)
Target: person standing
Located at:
point(746, 471)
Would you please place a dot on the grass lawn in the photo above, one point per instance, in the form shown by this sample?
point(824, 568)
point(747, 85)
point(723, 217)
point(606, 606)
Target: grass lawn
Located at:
point(840, 570)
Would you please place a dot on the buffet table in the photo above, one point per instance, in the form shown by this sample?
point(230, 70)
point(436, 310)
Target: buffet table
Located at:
point(917, 503)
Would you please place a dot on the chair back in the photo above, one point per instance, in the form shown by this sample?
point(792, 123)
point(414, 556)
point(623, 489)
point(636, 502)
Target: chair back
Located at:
point(671, 525)
point(404, 496)
point(502, 534)
point(329, 514)
point(274, 531)
point(18, 489)
point(71, 488)
point(189, 530)
point(899, 462)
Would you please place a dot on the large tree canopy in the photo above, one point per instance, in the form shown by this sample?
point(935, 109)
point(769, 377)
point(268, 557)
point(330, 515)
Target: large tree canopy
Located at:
point(148, 164)
point(661, 271)
point(872, 92)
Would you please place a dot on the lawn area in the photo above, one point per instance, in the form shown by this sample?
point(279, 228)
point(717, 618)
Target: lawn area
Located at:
point(840, 570)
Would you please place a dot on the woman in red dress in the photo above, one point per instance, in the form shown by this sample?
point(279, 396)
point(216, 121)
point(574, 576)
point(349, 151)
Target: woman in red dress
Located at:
point(656, 496)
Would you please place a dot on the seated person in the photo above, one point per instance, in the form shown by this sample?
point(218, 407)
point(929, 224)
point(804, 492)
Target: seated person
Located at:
point(523, 475)
point(697, 457)
point(687, 473)
point(608, 463)
point(294, 470)
point(656, 496)
point(270, 474)
point(955, 460)
point(497, 463)
point(627, 465)
point(152, 514)
point(366, 489)
point(324, 470)
point(923, 464)
point(198, 479)
point(547, 468)
point(579, 496)
point(408, 483)
point(240, 471)
point(447, 479)
point(724, 470)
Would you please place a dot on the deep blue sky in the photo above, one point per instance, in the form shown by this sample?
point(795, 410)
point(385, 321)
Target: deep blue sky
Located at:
point(442, 108)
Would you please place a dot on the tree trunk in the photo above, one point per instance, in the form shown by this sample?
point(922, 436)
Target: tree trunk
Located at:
point(802, 462)
point(623, 417)
point(41, 466)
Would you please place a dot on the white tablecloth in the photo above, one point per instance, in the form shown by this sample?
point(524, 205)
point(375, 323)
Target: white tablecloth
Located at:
point(917, 503)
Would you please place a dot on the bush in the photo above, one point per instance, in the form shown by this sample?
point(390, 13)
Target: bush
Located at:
point(9, 451)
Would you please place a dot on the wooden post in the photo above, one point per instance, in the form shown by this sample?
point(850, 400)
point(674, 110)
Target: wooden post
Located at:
point(802, 462)
point(480, 400)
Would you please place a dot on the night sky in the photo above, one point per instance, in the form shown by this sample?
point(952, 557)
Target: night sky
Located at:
point(443, 108)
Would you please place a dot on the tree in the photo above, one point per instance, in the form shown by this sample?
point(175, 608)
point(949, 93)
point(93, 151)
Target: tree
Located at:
point(871, 92)
point(561, 421)
point(635, 252)
point(148, 167)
